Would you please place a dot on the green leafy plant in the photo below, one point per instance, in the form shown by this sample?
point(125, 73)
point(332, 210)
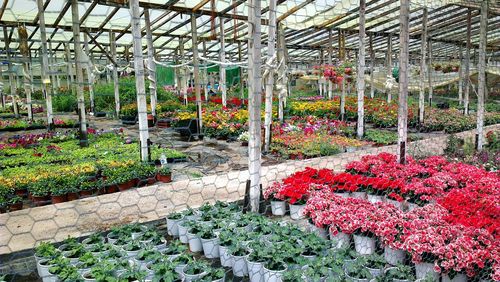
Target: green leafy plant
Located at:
point(164, 170)
point(401, 272)
point(46, 250)
point(195, 267)
point(175, 216)
point(133, 274)
point(357, 269)
point(213, 274)
point(375, 261)
point(293, 275)
point(164, 272)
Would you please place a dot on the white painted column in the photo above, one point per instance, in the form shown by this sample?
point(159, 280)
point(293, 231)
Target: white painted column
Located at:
point(196, 72)
point(361, 70)
point(467, 63)
point(271, 49)
point(12, 78)
point(116, 82)
point(28, 80)
point(389, 64)
point(429, 73)
point(89, 67)
point(421, 97)
point(222, 68)
point(481, 68)
point(403, 79)
point(330, 55)
point(255, 86)
point(79, 60)
point(142, 109)
point(151, 63)
point(460, 76)
point(44, 63)
point(372, 67)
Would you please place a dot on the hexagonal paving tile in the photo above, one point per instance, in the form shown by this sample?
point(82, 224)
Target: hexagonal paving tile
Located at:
point(128, 198)
point(45, 229)
point(21, 242)
point(147, 203)
point(66, 217)
point(19, 224)
point(109, 211)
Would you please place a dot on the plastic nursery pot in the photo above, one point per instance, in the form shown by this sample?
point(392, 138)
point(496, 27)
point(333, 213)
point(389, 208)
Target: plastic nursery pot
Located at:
point(86, 193)
point(394, 256)
point(297, 211)
point(191, 277)
point(255, 270)
point(173, 225)
point(274, 275)
point(73, 196)
point(364, 245)
point(38, 201)
point(210, 247)
point(21, 192)
point(423, 268)
point(111, 189)
point(59, 198)
point(244, 144)
point(341, 239)
point(164, 178)
point(126, 185)
point(225, 257)
point(194, 243)
point(240, 268)
point(278, 208)
point(16, 206)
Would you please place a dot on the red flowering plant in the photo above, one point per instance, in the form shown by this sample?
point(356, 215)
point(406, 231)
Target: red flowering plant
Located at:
point(390, 228)
point(271, 193)
point(295, 194)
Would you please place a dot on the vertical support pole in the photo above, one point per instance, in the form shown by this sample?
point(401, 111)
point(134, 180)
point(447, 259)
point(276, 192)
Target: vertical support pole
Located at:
point(361, 70)
point(342, 57)
point(429, 67)
point(341, 43)
point(142, 109)
point(116, 83)
point(196, 72)
point(222, 68)
point(2, 96)
point(108, 71)
point(44, 63)
point(460, 76)
point(12, 79)
point(467, 63)
point(88, 68)
point(242, 84)
point(389, 64)
point(205, 73)
point(330, 55)
point(79, 73)
point(27, 79)
point(421, 97)
point(151, 63)
point(182, 72)
point(483, 31)
point(372, 67)
point(271, 43)
point(52, 69)
point(69, 76)
point(403, 79)
point(255, 86)
point(282, 86)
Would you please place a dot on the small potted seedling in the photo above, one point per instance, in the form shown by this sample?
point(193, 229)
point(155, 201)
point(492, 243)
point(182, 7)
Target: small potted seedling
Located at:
point(181, 261)
point(174, 249)
point(133, 248)
point(194, 270)
point(193, 238)
point(209, 241)
point(375, 264)
point(357, 271)
point(173, 221)
point(238, 253)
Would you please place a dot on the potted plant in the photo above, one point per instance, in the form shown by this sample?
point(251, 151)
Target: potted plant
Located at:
point(133, 274)
point(164, 174)
point(400, 273)
point(85, 262)
point(128, 114)
point(375, 264)
point(255, 260)
point(293, 275)
point(15, 203)
point(226, 240)
point(181, 261)
point(133, 248)
point(164, 272)
point(237, 254)
point(194, 239)
point(316, 270)
point(357, 272)
point(45, 264)
point(312, 246)
point(274, 269)
point(88, 188)
point(184, 226)
point(45, 251)
point(147, 255)
point(99, 249)
point(209, 241)
point(243, 138)
point(278, 204)
point(174, 249)
point(173, 221)
point(74, 253)
point(39, 192)
point(95, 238)
point(214, 275)
point(194, 270)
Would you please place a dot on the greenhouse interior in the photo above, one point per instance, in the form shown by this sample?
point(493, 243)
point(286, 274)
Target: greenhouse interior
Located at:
point(232, 140)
